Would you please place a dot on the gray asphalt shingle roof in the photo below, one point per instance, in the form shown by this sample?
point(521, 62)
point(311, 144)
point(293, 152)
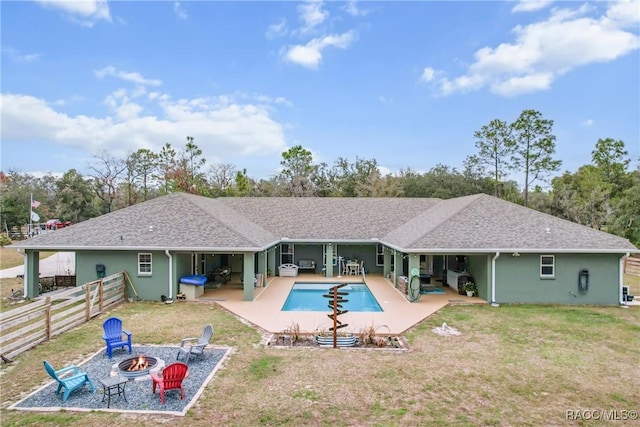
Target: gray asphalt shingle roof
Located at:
point(180, 221)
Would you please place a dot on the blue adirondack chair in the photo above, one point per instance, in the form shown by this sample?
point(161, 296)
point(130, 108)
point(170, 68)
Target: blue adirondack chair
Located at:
point(69, 383)
point(115, 336)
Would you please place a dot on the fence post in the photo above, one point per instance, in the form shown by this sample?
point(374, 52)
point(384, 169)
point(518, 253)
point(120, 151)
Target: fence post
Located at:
point(47, 318)
point(87, 299)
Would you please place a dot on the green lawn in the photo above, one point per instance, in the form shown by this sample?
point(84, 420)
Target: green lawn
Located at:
point(511, 365)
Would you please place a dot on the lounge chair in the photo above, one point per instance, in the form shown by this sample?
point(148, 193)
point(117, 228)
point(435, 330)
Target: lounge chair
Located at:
point(197, 345)
point(68, 383)
point(115, 336)
point(171, 378)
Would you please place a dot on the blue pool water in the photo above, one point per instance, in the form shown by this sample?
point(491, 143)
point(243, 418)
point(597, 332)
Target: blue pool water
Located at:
point(308, 297)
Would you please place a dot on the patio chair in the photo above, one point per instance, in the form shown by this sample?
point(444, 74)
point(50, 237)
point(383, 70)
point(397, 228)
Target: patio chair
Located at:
point(171, 378)
point(69, 383)
point(197, 348)
point(115, 336)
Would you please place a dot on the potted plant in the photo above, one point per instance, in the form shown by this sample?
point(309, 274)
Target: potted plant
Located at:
point(470, 288)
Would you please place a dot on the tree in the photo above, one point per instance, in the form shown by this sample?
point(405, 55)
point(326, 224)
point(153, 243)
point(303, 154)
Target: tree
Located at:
point(167, 165)
point(298, 171)
point(582, 197)
point(612, 159)
point(495, 146)
point(74, 197)
point(242, 183)
point(107, 174)
point(358, 179)
point(626, 221)
point(534, 147)
point(221, 178)
point(187, 175)
point(142, 166)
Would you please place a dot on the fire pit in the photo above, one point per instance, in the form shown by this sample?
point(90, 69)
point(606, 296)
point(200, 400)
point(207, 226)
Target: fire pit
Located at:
point(134, 367)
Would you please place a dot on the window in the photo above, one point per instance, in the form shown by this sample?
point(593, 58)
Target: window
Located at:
point(286, 253)
point(547, 266)
point(144, 263)
point(379, 255)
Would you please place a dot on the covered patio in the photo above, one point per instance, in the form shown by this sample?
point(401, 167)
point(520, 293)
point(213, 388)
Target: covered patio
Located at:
point(397, 316)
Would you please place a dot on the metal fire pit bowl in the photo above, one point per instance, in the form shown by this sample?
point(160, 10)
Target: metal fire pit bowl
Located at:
point(125, 364)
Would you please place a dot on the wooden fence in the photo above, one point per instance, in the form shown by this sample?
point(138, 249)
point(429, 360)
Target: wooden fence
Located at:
point(38, 321)
point(632, 266)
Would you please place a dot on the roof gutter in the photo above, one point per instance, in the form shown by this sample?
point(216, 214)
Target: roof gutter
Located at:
point(493, 280)
point(621, 280)
point(170, 273)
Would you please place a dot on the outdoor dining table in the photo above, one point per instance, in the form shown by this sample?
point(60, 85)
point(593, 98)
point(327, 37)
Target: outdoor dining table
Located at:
point(353, 268)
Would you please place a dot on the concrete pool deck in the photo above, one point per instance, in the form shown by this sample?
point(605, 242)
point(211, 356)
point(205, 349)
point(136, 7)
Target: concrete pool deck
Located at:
point(398, 315)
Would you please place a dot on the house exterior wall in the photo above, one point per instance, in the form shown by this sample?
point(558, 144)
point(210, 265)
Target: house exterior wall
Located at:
point(148, 287)
point(518, 279)
point(480, 269)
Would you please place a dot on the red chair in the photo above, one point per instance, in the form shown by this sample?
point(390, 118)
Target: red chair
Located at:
point(171, 378)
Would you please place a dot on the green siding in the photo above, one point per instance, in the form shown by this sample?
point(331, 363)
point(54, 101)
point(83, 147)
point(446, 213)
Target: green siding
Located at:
point(518, 279)
point(148, 287)
point(480, 268)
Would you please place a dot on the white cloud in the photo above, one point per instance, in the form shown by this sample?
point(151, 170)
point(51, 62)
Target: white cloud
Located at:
point(310, 55)
point(588, 122)
point(428, 74)
point(544, 50)
point(352, 9)
point(384, 100)
point(221, 126)
point(179, 10)
point(133, 77)
point(277, 30)
point(531, 5)
point(83, 12)
point(16, 56)
point(311, 14)
point(520, 85)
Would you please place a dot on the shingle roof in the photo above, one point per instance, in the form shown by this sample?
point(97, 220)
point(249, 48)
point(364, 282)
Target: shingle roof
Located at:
point(180, 221)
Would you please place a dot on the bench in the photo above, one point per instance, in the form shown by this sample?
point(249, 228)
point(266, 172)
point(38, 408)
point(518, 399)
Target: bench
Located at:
point(288, 270)
point(307, 265)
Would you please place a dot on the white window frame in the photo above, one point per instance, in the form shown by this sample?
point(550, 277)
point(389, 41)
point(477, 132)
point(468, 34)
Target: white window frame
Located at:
point(145, 263)
point(543, 265)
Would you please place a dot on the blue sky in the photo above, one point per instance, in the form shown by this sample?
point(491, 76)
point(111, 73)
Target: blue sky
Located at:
point(406, 83)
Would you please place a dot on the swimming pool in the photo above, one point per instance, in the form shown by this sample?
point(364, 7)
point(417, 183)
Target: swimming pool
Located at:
point(307, 296)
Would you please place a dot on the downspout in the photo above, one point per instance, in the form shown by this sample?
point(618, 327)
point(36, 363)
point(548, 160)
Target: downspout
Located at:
point(621, 280)
point(166, 251)
point(493, 280)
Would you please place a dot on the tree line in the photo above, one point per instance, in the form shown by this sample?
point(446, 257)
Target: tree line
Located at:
point(604, 194)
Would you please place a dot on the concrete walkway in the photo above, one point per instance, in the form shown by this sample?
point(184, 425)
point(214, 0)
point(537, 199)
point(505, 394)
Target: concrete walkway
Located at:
point(60, 263)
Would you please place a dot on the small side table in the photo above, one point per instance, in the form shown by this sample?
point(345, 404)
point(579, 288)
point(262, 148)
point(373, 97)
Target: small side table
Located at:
point(113, 385)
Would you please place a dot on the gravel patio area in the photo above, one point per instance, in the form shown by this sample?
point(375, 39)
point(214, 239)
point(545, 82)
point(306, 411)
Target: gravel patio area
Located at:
point(138, 392)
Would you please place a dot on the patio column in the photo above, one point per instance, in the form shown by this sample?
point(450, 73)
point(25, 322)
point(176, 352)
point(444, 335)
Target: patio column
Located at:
point(262, 266)
point(271, 260)
point(328, 248)
point(31, 274)
point(414, 263)
point(386, 268)
point(248, 274)
point(398, 267)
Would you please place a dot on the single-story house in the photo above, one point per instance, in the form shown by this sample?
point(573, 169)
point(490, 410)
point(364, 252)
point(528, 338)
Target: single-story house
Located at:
point(512, 253)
